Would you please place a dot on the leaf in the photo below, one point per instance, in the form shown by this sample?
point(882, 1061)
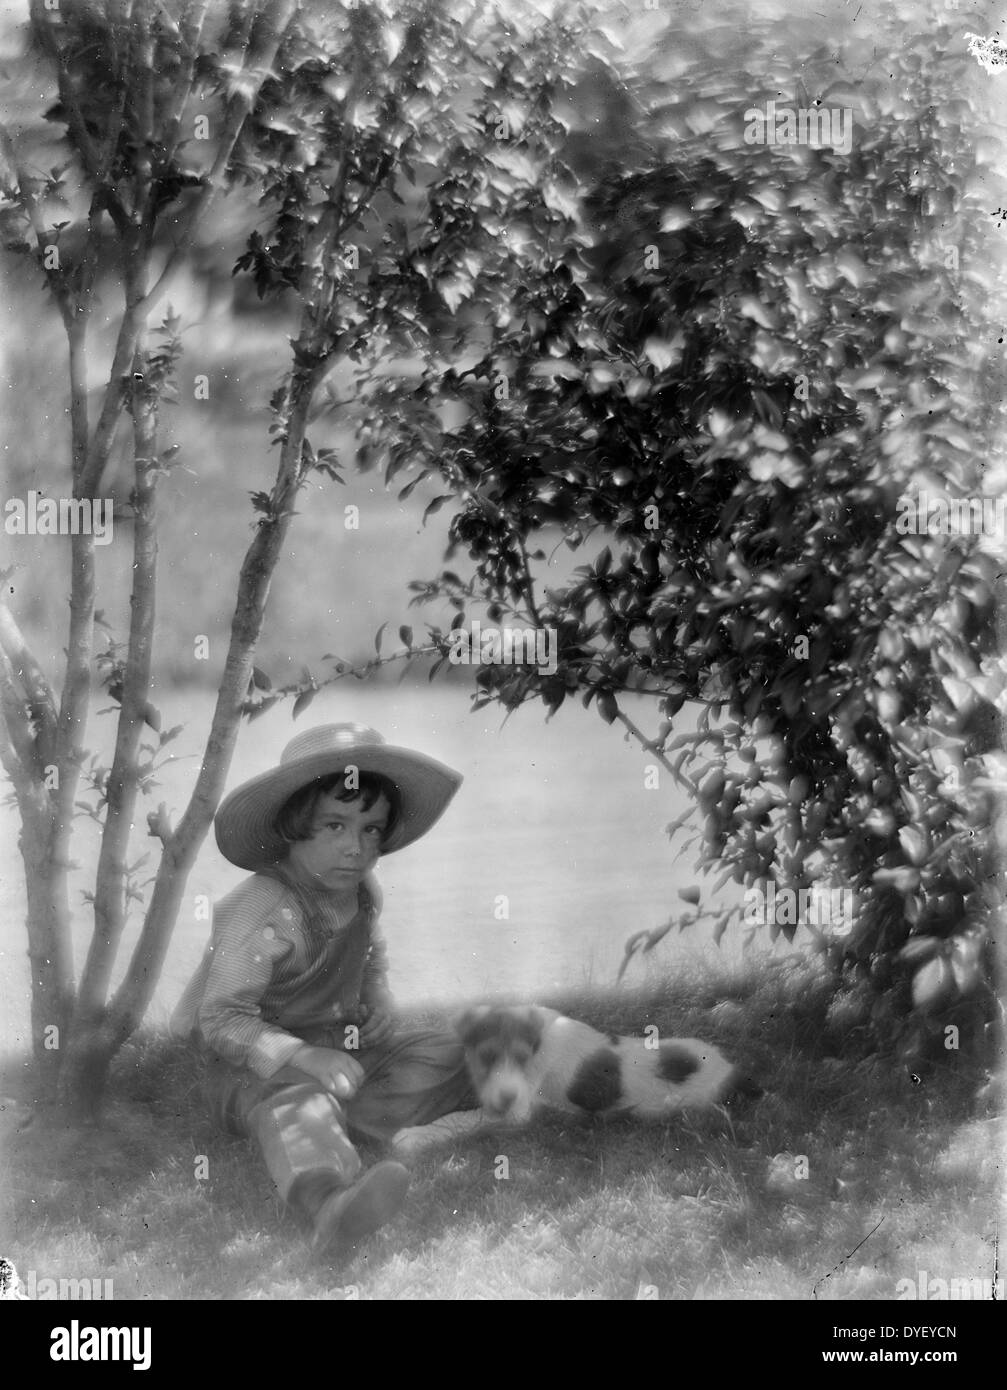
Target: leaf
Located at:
point(915, 844)
point(902, 880)
point(799, 790)
point(690, 895)
point(933, 983)
point(754, 309)
point(453, 289)
point(303, 701)
point(675, 217)
point(407, 490)
point(965, 962)
point(392, 36)
point(852, 268)
point(436, 505)
point(377, 638)
point(406, 636)
point(664, 352)
point(607, 706)
point(260, 680)
point(961, 693)
point(920, 948)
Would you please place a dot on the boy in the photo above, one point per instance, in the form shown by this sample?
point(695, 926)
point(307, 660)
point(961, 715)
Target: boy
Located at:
point(291, 998)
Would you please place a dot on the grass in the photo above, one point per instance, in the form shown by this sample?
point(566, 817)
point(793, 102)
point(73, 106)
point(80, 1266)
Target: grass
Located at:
point(905, 1174)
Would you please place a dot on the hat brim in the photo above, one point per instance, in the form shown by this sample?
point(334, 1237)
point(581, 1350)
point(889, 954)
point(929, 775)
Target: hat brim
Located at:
point(244, 824)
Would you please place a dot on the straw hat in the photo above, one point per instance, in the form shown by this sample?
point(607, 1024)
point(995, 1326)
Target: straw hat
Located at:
point(244, 823)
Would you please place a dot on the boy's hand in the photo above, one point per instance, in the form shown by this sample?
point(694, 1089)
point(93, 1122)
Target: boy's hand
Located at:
point(378, 1025)
point(337, 1072)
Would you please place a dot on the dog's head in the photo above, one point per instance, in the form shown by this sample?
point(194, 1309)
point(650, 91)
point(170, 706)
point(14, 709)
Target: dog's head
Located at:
point(500, 1044)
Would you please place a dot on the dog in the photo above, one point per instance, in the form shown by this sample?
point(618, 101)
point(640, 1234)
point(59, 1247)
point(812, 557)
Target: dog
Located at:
point(523, 1059)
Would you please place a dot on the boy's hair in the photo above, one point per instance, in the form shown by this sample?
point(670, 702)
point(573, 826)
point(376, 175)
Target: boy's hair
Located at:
point(294, 818)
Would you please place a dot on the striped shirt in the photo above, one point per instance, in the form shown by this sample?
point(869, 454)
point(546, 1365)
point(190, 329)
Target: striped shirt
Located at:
point(280, 963)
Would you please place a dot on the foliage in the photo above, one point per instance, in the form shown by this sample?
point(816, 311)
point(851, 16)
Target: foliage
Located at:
point(444, 128)
point(716, 388)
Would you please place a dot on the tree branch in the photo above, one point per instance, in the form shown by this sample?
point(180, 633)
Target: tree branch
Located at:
point(75, 701)
point(111, 407)
point(38, 693)
point(96, 162)
point(21, 760)
point(134, 994)
point(189, 31)
point(649, 747)
point(121, 789)
point(259, 59)
point(55, 277)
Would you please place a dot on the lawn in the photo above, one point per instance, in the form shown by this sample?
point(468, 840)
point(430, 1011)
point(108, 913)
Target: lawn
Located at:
point(903, 1175)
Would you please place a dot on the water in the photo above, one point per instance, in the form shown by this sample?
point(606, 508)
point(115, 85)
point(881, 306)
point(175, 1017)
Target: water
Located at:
point(553, 817)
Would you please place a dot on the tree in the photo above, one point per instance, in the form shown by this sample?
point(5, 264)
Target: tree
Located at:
point(335, 117)
point(728, 391)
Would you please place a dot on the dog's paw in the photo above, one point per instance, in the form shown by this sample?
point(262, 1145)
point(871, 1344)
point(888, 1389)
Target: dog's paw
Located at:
point(411, 1141)
point(417, 1138)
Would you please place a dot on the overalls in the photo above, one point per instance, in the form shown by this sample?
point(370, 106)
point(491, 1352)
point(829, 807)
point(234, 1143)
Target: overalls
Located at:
point(412, 1078)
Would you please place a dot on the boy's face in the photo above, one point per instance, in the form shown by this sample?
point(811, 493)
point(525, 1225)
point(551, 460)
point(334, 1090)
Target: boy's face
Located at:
point(345, 841)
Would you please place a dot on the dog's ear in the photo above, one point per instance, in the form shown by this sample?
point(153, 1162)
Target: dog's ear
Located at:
point(467, 1021)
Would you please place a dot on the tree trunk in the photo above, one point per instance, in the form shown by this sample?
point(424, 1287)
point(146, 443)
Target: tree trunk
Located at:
point(83, 1075)
point(27, 738)
point(96, 1041)
point(51, 975)
point(121, 791)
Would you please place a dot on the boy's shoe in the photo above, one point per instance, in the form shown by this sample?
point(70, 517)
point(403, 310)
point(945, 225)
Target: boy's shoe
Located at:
point(345, 1218)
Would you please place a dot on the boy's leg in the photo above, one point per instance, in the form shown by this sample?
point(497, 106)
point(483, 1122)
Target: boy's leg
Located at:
point(412, 1080)
point(299, 1127)
point(301, 1130)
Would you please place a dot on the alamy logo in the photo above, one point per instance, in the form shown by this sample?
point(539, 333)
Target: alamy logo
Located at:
point(927, 1286)
point(924, 515)
point(817, 126)
point(91, 1290)
point(76, 1343)
point(509, 646)
point(822, 906)
point(59, 516)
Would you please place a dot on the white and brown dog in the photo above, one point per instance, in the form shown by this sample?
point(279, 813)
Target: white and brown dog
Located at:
point(529, 1058)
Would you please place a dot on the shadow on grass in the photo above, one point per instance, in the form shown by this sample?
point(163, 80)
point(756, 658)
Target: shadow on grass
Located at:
point(764, 1201)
